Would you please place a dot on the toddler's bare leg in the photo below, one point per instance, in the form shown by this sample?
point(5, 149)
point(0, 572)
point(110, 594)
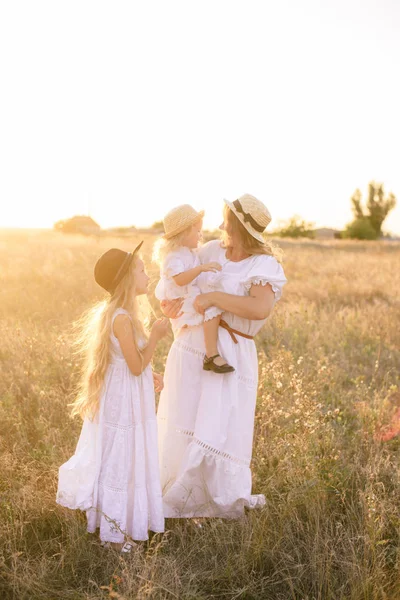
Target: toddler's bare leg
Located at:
point(210, 337)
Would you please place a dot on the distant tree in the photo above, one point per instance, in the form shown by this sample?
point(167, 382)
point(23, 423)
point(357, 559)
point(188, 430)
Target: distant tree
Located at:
point(59, 225)
point(356, 204)
point(78, 224)
point(379, 205)
point(296, 227)
point(158, 225)
point(377, 208)
point(360, 229)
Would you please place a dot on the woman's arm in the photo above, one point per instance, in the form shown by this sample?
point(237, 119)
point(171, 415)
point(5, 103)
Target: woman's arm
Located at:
point(138, 361)
point(257, 306)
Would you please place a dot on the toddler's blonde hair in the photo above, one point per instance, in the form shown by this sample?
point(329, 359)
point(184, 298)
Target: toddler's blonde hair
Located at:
point(93, 342)
point(162, 247)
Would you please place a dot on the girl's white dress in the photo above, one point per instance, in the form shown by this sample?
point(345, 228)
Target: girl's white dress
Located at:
point(180, 260)
point(114, 474)
point(206, 420)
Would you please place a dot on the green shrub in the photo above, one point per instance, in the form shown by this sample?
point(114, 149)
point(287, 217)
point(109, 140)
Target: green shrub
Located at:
point(296, 227)
point(360, 229)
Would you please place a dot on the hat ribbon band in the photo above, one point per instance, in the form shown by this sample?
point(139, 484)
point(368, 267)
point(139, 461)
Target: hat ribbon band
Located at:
point(247, 217)
point(122, 267)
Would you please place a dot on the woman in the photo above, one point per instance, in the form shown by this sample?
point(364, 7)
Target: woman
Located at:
point(206, 421)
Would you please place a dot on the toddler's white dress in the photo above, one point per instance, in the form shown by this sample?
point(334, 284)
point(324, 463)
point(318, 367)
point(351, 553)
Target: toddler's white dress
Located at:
point(180, 260)
point(114, 473)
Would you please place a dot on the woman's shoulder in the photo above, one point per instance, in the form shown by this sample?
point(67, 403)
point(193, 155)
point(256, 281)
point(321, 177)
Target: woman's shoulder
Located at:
point(263, 269)
point(265, 261)
point(263, 265)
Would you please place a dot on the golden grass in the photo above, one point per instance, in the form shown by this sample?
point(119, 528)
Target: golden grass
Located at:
point(329, 379)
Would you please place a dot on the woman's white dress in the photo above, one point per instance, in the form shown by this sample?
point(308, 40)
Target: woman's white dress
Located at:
point(114, 474)
point(179, 261)
point(206, 420)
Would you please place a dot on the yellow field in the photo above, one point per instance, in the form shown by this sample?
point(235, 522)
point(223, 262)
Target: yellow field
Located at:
point(329, 379)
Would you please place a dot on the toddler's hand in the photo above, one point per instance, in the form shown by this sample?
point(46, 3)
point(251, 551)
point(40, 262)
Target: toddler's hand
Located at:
point(160, 328)
point(172, 308)
point(213, 267)
point(158, 382)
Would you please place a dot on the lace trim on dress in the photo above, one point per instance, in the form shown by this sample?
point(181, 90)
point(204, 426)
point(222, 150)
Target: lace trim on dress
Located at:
point(212, 450)
point(249, 381)
point(129, 427)
point(189, 349)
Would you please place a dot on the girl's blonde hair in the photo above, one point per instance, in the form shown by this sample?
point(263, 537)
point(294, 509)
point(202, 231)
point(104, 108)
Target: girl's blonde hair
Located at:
point(162, 247)
point(248, 242)
point(93, 343)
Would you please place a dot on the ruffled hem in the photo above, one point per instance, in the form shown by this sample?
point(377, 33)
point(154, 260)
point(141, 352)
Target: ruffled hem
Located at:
point(224, 490)
point(187, 320)
point(119, 514)
point(263, 281)
point(68, 500)
point(211, 313)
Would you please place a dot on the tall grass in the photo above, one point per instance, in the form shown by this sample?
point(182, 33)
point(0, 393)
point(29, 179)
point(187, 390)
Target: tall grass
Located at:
point(329, 382)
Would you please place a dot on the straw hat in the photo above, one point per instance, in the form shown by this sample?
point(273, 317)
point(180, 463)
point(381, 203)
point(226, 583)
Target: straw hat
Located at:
point(180, 218)
point(252, 213)
point(112, 266)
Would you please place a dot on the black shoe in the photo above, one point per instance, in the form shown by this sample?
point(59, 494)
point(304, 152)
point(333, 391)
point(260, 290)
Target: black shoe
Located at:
point(209, 365)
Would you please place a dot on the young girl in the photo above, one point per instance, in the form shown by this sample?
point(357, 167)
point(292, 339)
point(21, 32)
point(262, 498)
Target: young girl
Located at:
point(182, 276)
point(114, 473)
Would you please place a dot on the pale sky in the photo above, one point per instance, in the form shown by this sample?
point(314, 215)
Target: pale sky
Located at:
point(126, 109)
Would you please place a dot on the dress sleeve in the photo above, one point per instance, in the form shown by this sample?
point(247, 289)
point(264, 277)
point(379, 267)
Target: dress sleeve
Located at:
point(266, 270)
point(174, 265)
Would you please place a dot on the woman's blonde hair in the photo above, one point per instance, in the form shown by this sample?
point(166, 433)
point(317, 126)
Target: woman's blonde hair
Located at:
point(248, 242)
point(93, 343)
point(162, 247)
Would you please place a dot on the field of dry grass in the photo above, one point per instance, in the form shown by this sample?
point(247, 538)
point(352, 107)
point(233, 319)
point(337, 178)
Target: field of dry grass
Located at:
point(329, 383)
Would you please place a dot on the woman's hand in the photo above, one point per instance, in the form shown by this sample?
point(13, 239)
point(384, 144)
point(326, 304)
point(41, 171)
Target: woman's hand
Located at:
point(204, 301)
point(158, 382)
point(160, 328)
point(172, 308)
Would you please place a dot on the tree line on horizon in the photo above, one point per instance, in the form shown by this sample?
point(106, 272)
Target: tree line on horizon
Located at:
point(366, 224)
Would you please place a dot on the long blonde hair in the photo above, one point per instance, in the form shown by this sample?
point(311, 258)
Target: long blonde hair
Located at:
point(249, 244)
point(93, 344)
point(162, 247)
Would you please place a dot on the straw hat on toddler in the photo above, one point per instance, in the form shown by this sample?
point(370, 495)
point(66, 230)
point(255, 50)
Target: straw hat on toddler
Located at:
point(180, 218)
point(252, 213)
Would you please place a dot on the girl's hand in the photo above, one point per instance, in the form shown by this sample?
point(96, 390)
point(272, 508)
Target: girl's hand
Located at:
point(160, 328)
point(202, 302)
point(213, 266)
point(172, 308)
point(158, 382)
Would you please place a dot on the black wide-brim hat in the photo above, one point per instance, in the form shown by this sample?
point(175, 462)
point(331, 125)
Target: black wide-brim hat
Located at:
point(112, 266)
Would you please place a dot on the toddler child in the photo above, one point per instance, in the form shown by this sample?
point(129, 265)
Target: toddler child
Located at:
point(182, 275)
